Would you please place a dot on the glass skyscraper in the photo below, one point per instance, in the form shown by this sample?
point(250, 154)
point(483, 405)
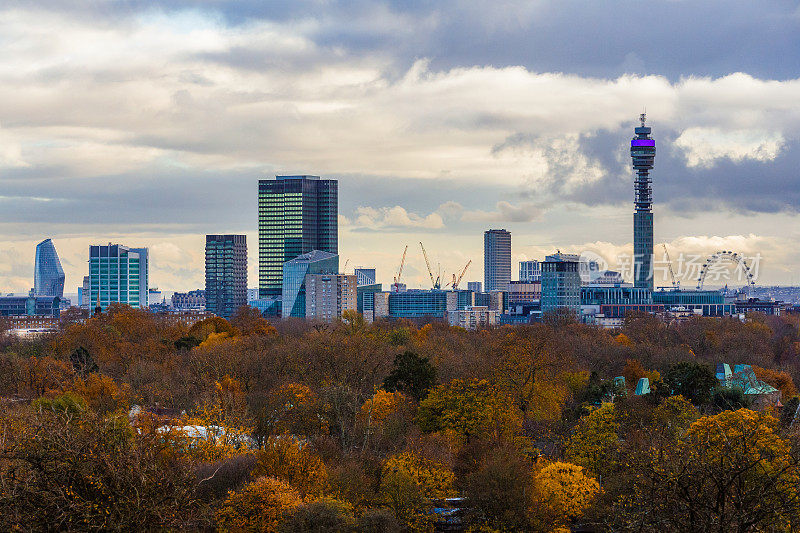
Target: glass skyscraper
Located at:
point(48, 276)
point(117, 274)
point(296, 214)
point(294, 279)
point(496, 259)
point(561, 283)
point(226, 274)
point(643, 153)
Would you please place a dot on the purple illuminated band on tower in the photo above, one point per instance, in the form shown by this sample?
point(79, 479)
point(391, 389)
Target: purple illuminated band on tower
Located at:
point(643, 142)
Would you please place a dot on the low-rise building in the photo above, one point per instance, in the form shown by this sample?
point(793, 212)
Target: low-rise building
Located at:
point(189, 301)
point(473, 317)
point(709, 303)
point(414, 303)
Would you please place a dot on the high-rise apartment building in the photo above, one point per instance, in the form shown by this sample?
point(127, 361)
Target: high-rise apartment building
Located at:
point(327, 295)
point(296, 214)
point(294, 279)
point(48, 276)
point(530, 271)
point(475, 286)
point(226, 274)
point(496, 259)
point(643, 153)
point(117, 273)
point(561, 283)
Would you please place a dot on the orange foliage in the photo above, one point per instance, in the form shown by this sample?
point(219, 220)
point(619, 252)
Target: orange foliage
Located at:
point(40, 376)
point(624, 340)
point(258, 506)
point(102, 393)
point(778, 379)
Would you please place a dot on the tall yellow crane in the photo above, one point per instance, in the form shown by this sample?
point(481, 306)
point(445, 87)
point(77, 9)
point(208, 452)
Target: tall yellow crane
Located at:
point(457, 280)
point(434, 281)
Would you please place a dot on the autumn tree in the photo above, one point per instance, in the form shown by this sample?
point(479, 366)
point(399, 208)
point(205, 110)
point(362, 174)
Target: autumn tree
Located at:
point(563, 492)
point(778, 379)
point(469, 409)
point(730, 472)
point(594, 444)
point(409, 481)
point(249, 321)
point(284, 458)
point(75, 469)
point(258, 506)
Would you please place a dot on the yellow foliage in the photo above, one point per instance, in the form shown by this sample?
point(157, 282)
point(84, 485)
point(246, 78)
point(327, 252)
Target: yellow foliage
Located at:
point(565, 490)
point(259, 506)
point(595, 442)
point(624, 340)
point(468, 409)
point(215, 339)
point(433, 479)
point(287, 459)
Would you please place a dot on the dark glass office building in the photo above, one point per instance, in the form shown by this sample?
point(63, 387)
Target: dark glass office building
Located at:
point(226, 274)
point(296, 214)
point(48, 276)
point(643, 153)
point(496, 259)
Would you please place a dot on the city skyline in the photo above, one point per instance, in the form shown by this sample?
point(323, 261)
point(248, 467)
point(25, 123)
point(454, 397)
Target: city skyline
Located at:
point(436, 139)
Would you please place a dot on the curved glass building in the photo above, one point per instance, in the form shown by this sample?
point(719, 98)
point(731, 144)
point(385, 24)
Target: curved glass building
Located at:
point(643, 153)
point(48, 276)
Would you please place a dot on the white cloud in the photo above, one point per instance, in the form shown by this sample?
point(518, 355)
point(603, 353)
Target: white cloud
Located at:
point(704, 146)
point(395, 217)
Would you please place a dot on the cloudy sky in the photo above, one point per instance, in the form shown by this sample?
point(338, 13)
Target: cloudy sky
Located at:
point(149, 123)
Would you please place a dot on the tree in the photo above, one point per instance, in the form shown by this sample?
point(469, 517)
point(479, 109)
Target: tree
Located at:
point(412, 374)
point(323, 515)
point(730, 472)
point(102, 393)
point(499, 490)
point(564, 492)
point(595, 442)
point(729, 398)
point(469, 409)
point(286, 459)
point(249, 321)
point(77, 471)
point(693, 381)
point(82, 361)
point(215, 324)
point(259, 506)
point(408, 482)
point(780, 380)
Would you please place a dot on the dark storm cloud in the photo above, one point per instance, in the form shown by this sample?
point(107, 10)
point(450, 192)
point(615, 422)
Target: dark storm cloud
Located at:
point(746, 186)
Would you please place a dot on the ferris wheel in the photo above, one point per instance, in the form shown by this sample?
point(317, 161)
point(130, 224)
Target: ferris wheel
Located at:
point(726, 256)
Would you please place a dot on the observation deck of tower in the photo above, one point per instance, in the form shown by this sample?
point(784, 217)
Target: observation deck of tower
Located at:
point(643, 153)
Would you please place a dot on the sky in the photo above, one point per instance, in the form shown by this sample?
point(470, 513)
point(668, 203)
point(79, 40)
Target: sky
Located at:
point(149, 123)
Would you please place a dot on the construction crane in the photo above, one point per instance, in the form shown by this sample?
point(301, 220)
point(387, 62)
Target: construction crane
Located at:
point(435, 282)
point(396, 284)
point(344, 269)
point(457, 280)
point(675, 284)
